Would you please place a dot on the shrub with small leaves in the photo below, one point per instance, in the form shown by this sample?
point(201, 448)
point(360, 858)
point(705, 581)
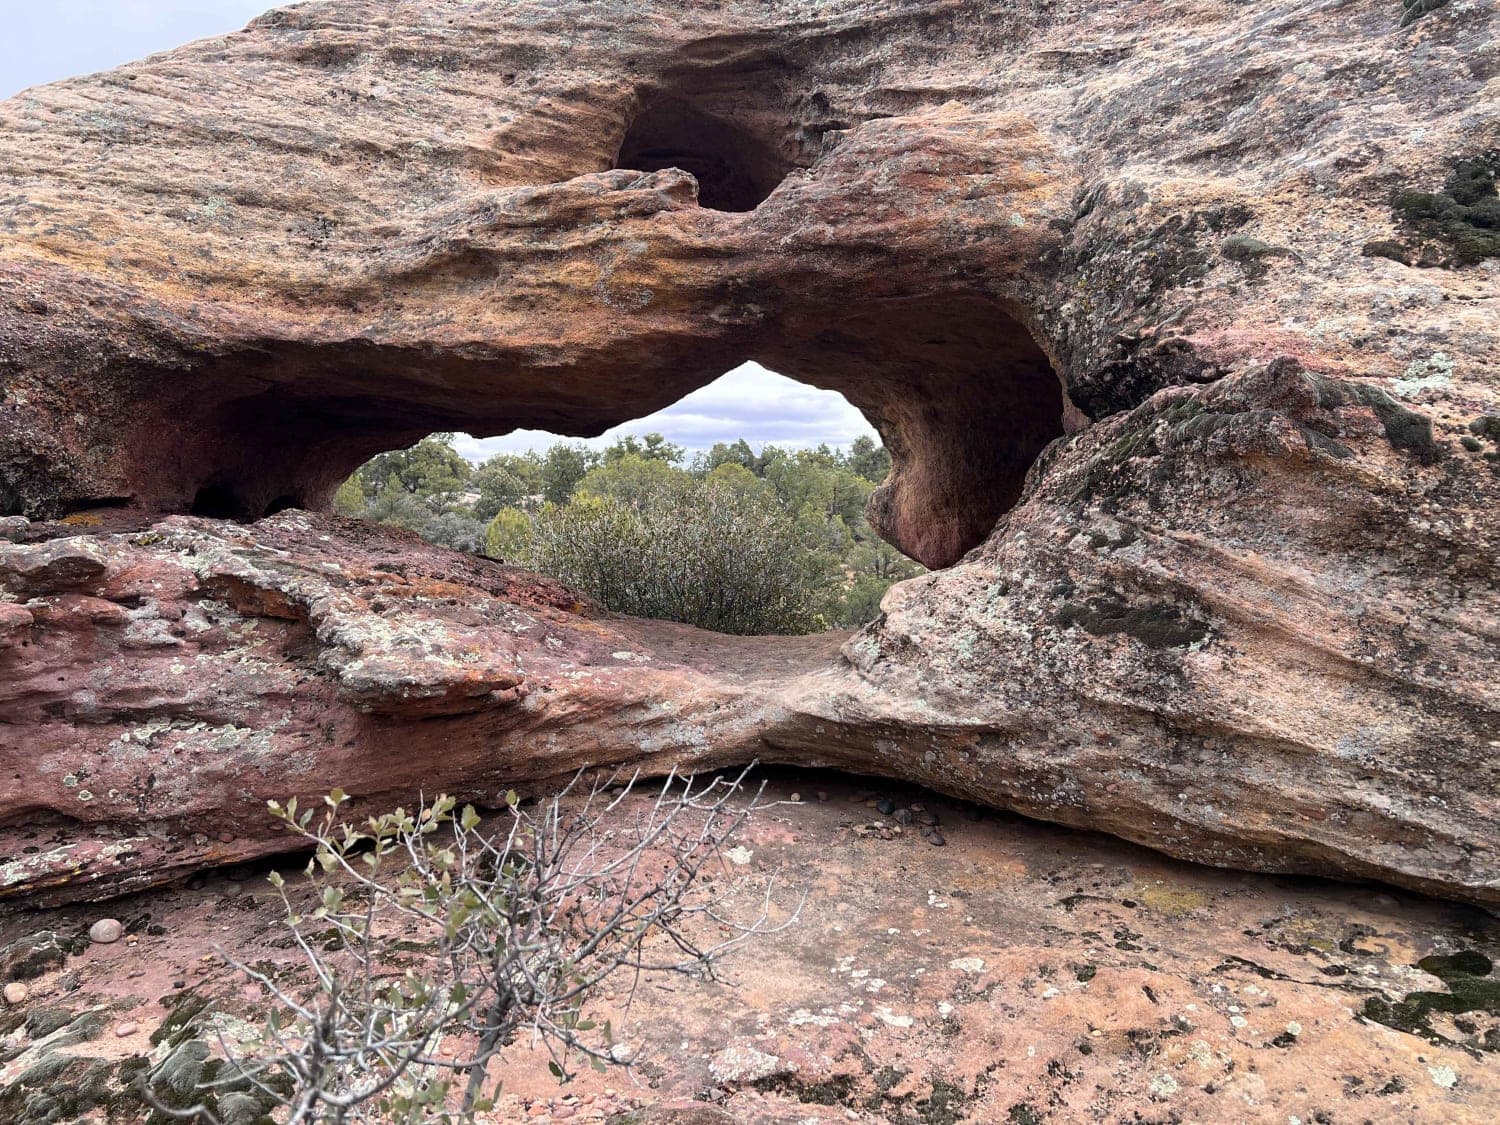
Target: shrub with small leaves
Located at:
point(518, 927)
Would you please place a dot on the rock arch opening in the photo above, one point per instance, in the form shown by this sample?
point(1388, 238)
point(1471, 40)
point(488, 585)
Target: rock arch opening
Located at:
point(955, 383)
point(736, 170)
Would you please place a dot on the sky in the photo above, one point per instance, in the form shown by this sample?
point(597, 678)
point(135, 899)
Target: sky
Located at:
point(47, 40)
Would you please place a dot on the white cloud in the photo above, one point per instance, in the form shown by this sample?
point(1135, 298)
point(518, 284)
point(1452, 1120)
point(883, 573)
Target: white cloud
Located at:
point(749, 402)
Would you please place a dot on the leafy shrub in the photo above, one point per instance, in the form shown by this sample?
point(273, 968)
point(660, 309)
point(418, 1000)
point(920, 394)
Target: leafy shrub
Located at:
point(774, 541)
point(516, 928)
point(700, 553)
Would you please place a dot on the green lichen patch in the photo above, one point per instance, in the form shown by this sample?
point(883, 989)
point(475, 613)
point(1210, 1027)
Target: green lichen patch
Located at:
point(1251, 252)
point(31, 956)
point(1413, 10)
point(1404, 429)
point(1457, 226)
point(1157, 624)
point(1471, 988)
point(1486, 426)
point(1387, 248)
point(176, 1028)
point(67, 1088)
point(946, 1104)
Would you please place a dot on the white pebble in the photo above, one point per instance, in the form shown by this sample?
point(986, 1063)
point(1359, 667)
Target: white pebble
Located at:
point(105, 931)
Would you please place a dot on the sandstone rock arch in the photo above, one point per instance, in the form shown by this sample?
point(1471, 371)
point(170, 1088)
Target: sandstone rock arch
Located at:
point(1241, 611)
point(957, 386)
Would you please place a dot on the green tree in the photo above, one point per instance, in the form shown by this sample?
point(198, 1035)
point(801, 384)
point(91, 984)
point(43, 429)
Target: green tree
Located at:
point(633, 479)
point(737, 453)
point(506, 480)
point(349, 500)
point(814, 480)
point(734, 476)
point(508, 536)
point(563, 466)
point(432, 471)
point(651, 447)
point(868, 460)
point(709, 556)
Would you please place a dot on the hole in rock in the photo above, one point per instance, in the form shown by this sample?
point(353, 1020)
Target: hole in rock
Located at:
point(735, 169)
point(739, 509)
point(219, 502)
point(283, 503)
point(954, 382)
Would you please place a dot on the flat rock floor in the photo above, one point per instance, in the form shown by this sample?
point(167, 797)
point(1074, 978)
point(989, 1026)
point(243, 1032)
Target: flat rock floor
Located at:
point(1018, 973)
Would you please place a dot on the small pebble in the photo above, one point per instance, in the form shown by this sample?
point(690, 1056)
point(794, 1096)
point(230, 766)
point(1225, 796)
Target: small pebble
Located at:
point(796, 798)
point(126, 1030)
point(936, 839)
point(885, 806)
point(901, 816)
point(106, 931)
point(16, 993)
point(226, 837)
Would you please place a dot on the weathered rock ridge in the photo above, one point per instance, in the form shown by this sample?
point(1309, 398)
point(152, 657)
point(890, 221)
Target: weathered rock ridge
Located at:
point(1117, 283)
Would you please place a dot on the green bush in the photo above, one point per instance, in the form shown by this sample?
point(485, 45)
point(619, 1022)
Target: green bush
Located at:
point(743, 542)
point(701, 553)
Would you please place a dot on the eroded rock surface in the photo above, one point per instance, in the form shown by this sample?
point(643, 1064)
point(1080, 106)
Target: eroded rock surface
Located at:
point(1020, 974)
point(1143, 647)
point(1118, 276)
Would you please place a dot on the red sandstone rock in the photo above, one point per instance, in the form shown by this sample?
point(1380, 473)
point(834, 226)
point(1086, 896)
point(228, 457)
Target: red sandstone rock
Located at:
point(1021, 973)
point(1241, 610)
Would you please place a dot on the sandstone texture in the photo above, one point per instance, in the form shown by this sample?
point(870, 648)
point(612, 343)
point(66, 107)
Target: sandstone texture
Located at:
point(1178, 320)
point(1021, 974)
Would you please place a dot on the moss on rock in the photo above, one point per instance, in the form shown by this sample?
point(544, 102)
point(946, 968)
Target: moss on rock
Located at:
point(1457, 226)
